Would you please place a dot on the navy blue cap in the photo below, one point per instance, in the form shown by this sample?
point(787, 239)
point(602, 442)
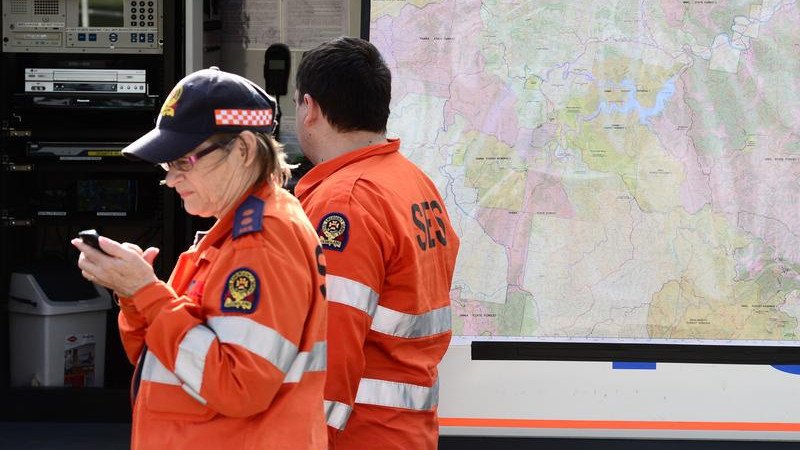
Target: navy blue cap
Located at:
point(202, 104)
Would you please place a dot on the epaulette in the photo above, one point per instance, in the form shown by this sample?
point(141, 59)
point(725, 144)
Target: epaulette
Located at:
point(248, 217)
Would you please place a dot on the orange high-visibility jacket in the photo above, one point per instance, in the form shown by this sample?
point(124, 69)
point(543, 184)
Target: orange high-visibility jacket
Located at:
point(231, 351)
point(390, 252)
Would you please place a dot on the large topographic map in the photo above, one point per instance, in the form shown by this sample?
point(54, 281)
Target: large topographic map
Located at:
point(616, 170)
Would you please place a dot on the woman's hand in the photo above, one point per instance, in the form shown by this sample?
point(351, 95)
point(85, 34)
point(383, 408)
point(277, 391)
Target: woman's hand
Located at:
point(126, 268)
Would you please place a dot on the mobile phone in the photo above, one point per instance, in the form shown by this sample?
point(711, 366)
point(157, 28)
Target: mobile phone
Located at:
point(91, 238)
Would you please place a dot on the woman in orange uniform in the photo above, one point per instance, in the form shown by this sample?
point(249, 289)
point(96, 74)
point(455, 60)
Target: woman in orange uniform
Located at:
point(231, 351)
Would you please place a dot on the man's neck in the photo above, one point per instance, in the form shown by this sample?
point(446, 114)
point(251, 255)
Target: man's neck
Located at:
point(336, 144)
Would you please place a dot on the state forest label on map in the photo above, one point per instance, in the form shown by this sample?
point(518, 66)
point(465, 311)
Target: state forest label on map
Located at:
point(625, 171)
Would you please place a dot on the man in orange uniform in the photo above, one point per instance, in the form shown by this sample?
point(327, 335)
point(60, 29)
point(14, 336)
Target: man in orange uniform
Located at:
point(231, 350)
point(390, 251)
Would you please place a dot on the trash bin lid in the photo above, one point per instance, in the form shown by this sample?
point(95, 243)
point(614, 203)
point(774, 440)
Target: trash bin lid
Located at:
point(62, 282)
point(55, 289)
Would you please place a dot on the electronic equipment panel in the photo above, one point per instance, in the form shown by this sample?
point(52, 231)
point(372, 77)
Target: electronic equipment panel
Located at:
point(131, 81)
point(81, 97)
point(83, 26)
point(108, 90)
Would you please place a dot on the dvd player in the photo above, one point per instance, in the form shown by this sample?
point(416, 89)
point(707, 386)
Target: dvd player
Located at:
point(112, 81)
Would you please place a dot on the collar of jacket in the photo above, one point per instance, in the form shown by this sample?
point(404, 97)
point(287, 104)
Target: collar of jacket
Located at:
point(324, 169)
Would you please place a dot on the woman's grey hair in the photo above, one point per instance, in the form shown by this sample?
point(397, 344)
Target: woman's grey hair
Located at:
point(270, 157)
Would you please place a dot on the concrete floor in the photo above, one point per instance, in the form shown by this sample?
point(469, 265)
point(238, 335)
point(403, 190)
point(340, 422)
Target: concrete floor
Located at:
point(64, 436)
point(115, 436)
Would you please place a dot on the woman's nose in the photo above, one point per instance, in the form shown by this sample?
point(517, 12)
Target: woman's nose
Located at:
point(171, 178)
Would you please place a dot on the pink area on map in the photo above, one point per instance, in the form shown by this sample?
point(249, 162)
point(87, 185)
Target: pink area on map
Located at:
point(690, 87)
point(531, 143)
point(543, 134)
point(545, 198)
point(523, 147)
point(757, 189)
point(702, 15)
point(752, 264)
point(673, 12)
point(512, 231)
point(486, 103)
point(672, 128)
point(753, 175)
point(750, 73)
point(478, 318)
point(425, 62)
point(753, 182)
point(435, 65)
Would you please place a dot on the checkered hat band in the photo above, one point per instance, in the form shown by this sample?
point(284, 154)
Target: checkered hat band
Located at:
point(243, 117)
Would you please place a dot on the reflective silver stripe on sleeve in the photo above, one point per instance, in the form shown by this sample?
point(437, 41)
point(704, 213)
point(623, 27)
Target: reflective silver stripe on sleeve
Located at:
point(153, 370)
point(337, 414)
point(314, 361)
point(351, 293)
point(397, 395)
point(255, 337)
point(252, 336)
point(396, 323)
point(191, 360)
point(194, 394)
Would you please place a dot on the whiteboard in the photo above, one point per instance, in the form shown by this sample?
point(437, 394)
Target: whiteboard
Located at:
point(591, 399)
point(614, 174)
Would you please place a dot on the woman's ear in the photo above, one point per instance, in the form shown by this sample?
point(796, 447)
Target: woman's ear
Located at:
point(248, 147)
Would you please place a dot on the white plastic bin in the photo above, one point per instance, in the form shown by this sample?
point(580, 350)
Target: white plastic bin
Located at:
point(57, 329)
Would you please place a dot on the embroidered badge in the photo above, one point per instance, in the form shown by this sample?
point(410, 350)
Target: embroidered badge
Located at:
point(333, 231)
point(172, 102)
point(241, 292)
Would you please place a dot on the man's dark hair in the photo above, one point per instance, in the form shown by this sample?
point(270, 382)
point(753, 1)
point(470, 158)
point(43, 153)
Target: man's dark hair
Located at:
point(350, 81)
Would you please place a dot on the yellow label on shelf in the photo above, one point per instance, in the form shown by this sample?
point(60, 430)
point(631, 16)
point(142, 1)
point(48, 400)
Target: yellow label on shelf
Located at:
point(104, 153)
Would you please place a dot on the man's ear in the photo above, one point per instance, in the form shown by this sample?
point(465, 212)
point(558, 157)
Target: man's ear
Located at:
point(313, 111)
point(247, 147)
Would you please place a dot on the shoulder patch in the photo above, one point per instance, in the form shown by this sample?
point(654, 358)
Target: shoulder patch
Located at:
point(333, 231)
point(241, 291)
point(248, 217)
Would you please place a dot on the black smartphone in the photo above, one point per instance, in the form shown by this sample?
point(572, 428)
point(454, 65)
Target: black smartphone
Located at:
point(91, 238)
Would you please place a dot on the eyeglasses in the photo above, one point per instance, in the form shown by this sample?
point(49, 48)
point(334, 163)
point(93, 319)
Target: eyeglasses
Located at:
point(186, 163)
